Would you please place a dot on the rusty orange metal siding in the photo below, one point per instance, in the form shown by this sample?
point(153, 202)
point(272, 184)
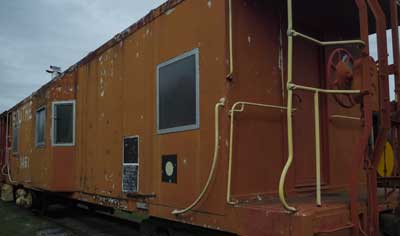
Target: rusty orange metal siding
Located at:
point(3, 144)
point(45, 167)
point(115, 89)
point(117, 98)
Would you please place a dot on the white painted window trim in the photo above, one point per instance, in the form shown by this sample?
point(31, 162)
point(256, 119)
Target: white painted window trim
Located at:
point(53, 130)
point(130, 164)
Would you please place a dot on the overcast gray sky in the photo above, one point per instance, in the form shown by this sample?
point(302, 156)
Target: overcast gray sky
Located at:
point(35, 34)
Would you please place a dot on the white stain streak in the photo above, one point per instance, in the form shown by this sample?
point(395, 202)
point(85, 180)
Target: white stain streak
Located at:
point(170, 11)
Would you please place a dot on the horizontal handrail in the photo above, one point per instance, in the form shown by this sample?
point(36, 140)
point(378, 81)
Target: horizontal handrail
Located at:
point(294, 33)
point(232, 113)
point(345, 117)
point(253, 104)
point(291, 33)
point(292, 86)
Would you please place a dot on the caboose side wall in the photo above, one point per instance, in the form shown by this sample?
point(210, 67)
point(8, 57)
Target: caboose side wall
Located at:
point(42, 166)
point(115, 92)
point(22, 144)
point(3, 143)
point(117, 98)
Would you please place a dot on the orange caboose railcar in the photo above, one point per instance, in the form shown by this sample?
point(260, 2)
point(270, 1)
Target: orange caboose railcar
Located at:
point(3, 145)
point(219, 114)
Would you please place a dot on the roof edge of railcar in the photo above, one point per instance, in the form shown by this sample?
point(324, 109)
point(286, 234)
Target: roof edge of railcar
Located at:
point(147, 19)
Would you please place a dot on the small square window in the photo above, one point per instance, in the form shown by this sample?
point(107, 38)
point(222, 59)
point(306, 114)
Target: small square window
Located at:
point(178, 94)
point(40, 126)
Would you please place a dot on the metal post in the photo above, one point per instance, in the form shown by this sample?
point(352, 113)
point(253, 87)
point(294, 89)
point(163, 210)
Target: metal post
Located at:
point(317, 147)
point(289, 111)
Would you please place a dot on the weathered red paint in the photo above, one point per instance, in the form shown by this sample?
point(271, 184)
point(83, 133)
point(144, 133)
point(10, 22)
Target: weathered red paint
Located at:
point(3, 143)
point(115, 92)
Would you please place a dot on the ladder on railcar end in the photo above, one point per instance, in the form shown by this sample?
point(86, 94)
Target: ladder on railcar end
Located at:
point(367, 113)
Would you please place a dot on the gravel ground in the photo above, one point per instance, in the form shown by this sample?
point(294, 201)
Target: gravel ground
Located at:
point(61, 221)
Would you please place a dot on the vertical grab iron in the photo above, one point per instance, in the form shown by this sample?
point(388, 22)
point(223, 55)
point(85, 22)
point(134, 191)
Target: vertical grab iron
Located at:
point(291, 33)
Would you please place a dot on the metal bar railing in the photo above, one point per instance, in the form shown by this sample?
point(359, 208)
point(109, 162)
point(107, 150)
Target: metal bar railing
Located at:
point(217, 108)
point(317, 148)
point(346, 117)
point(325, 43)
point(290, 87)
point(236, 108)
point(289, 112)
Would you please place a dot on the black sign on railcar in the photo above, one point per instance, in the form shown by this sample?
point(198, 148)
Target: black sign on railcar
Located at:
point(130, 168)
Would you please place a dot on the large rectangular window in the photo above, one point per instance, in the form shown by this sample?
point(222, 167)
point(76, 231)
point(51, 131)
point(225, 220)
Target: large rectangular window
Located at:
point(130, 166)
point(64, 123)
point(40, 126)
point(178, 93)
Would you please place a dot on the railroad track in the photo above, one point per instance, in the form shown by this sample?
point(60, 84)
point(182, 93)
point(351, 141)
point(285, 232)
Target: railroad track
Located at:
point(80, 222)
point(62, 221)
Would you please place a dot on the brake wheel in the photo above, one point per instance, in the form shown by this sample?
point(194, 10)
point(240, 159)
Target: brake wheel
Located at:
point(339, 76)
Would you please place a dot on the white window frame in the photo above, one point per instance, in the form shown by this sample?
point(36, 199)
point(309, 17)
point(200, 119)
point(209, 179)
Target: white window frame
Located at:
point(131, 164)
point(53, 130)
point(42, 144)
point(195, 52)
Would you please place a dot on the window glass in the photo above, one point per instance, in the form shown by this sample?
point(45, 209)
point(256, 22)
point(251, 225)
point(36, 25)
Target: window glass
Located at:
point(177, 93)
point(64, 123)
point(15, 139)
point(40, 127)
point(131, 150)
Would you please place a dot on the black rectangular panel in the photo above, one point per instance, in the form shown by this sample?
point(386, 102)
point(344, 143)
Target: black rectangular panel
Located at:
point(169, 170)
point(130, 178)
point(131, 150)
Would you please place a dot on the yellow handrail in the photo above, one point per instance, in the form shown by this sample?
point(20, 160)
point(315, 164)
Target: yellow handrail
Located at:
point(289, 112)
point(291, 87)
point(232, 117)
point(231, 65)
point(346, 117)
point(325, 43)
point(220, 104)
point(317, 148)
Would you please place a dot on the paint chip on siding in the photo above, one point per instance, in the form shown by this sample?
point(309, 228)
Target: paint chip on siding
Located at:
point(170, 11)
